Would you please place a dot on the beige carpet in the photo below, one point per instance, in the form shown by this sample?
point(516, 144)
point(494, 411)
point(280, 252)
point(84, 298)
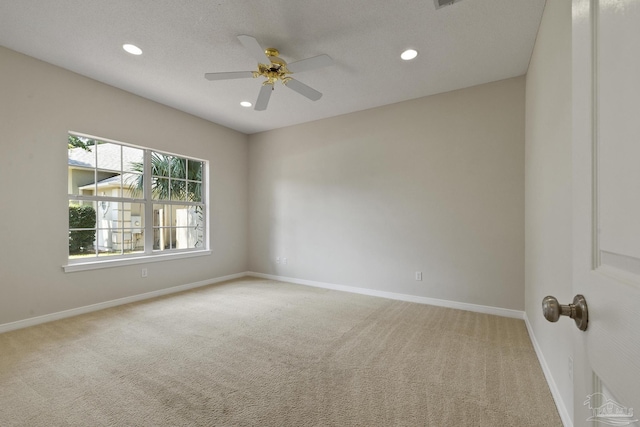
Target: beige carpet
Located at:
point(255, 352)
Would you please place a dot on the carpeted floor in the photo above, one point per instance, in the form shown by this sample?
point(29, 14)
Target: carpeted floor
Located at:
point(254, 352)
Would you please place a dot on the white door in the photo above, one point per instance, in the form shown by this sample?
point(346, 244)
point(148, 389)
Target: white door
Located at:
point(606, 211)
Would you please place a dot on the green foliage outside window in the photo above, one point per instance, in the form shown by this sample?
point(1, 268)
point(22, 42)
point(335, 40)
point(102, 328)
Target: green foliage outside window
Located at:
point(178, 168)
point(81, 241)
point(81, 142)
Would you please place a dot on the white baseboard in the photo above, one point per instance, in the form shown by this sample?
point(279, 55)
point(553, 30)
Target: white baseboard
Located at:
point(555, 392)
point(32, 321)
point(504, 312)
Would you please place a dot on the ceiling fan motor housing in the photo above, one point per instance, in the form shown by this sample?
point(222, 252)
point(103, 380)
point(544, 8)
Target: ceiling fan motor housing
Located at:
point(277, 70)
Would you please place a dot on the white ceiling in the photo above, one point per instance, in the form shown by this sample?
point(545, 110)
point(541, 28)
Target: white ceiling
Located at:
point(465, 44)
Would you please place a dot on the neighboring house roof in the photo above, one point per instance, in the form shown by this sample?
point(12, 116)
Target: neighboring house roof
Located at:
point(108, 157)
point(77, 162)
point(114, 181)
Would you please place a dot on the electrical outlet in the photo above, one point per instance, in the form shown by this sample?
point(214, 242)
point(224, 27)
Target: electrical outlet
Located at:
point(144, 272)
point(277, 260)
point(570, 368)
point(284, 260)
point(419, 275)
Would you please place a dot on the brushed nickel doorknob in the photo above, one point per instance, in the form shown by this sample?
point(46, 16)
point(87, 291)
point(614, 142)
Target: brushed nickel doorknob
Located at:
point(552, 310)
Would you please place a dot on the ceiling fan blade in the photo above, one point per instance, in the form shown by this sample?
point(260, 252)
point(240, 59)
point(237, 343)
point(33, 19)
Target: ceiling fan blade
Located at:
point(228, 76)
point(303, 89)
point(263, 97)
point(310, 63)
point(254, 48)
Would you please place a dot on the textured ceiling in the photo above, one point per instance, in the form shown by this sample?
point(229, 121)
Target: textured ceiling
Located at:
point(465, 44)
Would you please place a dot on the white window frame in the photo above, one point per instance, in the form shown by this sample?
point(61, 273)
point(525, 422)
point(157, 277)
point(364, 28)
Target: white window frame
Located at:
point(149, 254)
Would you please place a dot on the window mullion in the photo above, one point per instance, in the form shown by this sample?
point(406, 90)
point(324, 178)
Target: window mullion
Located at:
point(148, 203)
point(204, 199)
point(105, 198)
point(95, 169)
point(95, 193)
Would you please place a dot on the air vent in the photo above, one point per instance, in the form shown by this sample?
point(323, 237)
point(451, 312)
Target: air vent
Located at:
point(443, 3)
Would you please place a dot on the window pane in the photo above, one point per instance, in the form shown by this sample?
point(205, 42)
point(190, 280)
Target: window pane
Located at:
point(194, 192)
point(199, 227)
point(109, 184)
point(161, 227)
point(186, 216)
point(109, 222)
point(178, 190)
point(77, 241)
point(185, 238)
point(162, 239)
point(132, 159)
point(160, 164)
point(133, 216)
point(133, 222)
point(82, 214)
point(189, 227)
point(136, 218)
point(81, 181)
point(160, 189)
point(125, 241)
point(161, 215)
point(109, 156)
point(137, 240)
point(82, 228)
point(117, 241)
point(194, 170)
point(178, 167)
point(133, 185)
point(109, 214)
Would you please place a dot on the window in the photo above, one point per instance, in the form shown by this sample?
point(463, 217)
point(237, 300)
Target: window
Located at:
point(128, 202)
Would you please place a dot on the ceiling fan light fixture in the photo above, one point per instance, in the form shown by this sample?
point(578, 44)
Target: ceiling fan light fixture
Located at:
point(273, 68)
point(132, 49)
point(409, 54)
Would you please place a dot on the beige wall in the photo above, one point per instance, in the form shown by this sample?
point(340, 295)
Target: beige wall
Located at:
point(548, 189)
point(367, 199)
point(39, 103)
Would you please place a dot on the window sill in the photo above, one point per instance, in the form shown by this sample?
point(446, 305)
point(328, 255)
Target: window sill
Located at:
point(143, 259)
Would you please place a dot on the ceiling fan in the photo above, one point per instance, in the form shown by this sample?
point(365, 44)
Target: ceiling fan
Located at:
point(274, 68)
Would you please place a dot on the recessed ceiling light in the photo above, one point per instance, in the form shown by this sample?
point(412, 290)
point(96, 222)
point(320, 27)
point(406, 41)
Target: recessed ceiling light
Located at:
point(409, 54)
point(132, 49)
point(246, 104)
